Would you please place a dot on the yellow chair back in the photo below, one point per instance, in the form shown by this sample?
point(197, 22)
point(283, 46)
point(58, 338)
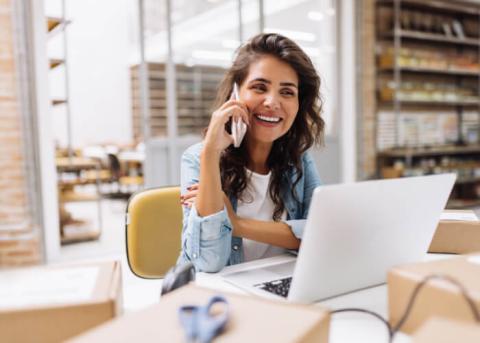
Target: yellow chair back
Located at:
point(153, 231)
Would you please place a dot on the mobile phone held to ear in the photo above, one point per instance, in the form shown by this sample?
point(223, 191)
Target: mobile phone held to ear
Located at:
point(238, 126)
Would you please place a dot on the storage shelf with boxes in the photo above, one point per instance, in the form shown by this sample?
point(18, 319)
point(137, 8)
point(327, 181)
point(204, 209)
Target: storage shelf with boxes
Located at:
point(428, 94)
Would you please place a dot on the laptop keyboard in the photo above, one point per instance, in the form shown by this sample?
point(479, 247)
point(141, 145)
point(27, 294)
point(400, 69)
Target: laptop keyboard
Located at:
point(279, 287)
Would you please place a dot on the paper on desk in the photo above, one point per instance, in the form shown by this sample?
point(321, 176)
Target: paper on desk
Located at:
point(464, 216)
point(45, 287)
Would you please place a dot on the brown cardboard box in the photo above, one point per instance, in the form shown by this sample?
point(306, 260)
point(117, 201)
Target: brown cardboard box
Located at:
point(437, 297)
point(457, 236)
point(252, 319)
point(51, 304)
point(441, 330)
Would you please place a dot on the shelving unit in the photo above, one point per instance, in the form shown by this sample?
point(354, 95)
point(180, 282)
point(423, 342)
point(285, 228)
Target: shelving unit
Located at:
point(196, 91)
point(73, 172)
point(428, 92)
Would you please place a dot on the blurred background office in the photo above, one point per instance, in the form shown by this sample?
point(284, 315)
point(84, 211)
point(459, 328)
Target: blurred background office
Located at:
point(98, 99)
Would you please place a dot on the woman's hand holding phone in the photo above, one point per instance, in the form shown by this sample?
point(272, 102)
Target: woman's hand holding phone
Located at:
point(217, 138)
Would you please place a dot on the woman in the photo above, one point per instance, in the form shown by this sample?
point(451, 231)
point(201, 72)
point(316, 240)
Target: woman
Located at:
point(251, 202)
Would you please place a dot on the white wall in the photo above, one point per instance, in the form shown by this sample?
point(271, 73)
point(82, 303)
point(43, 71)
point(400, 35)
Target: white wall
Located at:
point(98, 57)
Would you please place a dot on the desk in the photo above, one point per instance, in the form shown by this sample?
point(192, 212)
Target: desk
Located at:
point(345, 327)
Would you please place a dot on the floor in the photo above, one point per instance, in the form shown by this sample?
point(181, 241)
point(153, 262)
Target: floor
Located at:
point(137, 293)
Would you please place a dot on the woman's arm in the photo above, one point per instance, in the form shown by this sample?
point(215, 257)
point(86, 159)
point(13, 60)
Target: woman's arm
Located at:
point(210, 195)
point(205, 240)
point(270, 232)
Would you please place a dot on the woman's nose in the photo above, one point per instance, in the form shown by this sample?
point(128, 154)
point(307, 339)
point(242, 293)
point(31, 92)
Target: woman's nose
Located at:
point(271, 101)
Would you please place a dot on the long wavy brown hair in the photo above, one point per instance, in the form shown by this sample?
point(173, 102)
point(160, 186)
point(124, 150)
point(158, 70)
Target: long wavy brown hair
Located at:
point(307, 128)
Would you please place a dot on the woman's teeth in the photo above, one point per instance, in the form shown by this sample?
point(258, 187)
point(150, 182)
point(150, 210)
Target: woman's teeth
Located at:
point(268, 119)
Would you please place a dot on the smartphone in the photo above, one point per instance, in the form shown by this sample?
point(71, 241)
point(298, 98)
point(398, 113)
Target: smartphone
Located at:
point(239, 128)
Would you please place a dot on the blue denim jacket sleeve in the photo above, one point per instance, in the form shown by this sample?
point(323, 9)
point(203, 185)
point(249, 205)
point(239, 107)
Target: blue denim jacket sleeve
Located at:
point(206, 241)
point(304, 190)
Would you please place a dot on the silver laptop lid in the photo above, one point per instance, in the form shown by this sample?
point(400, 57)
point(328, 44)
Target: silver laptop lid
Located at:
point(356, 232)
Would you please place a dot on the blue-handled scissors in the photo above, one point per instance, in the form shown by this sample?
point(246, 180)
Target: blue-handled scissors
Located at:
point(200, 324)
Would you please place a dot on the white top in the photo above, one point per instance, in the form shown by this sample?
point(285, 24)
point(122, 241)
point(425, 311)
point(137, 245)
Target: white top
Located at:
point(257, 204)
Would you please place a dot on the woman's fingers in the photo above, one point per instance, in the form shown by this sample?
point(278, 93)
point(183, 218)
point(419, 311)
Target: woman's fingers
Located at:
point(234, 108)
point(236, 112)
point(193, 187)
point(189, 195)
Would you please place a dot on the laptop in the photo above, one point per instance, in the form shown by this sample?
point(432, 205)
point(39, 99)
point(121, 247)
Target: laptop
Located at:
point(353, 235)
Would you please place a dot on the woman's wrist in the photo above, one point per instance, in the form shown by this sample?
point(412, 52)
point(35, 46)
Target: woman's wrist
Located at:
point(209, 153)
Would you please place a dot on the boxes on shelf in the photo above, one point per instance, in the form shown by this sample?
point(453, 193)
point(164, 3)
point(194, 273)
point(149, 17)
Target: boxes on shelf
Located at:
point(441, 330)
point(457, 233)
point(252, 319)
point(54, 303)
point(438, 297)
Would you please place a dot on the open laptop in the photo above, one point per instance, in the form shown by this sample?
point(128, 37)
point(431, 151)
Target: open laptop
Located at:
point(353, 235)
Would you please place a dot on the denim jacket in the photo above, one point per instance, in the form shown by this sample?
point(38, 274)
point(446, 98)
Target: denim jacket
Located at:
point(208, 241)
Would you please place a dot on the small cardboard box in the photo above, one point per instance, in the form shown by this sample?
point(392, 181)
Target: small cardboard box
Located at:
point(441, 330)
point(252, 319)
point(437, 297)
point(457, 233)
point(53, 303)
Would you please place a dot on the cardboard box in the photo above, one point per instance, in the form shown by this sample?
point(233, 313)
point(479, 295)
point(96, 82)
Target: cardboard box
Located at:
point(437, 297)
point(51, 304)
point(252, 319)
point(457, 236)
point(441, 330)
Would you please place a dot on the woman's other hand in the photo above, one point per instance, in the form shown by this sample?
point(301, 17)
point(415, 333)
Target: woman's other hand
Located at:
point(217, 138)
point(188, 199)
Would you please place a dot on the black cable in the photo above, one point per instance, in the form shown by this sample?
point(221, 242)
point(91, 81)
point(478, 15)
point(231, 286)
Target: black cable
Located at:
point(392, 331)
point(419, 287)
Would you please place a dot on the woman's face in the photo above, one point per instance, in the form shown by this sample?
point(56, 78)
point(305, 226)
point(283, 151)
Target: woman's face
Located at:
point(270, 91)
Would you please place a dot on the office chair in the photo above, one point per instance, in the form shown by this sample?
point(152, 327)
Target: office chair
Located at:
point(153, 231)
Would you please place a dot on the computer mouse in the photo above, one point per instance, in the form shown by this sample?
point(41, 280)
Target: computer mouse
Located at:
point(178, 276)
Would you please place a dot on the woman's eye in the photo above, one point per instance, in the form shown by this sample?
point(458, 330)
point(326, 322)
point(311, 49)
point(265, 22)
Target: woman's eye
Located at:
point(287, 92)
point(260, 88)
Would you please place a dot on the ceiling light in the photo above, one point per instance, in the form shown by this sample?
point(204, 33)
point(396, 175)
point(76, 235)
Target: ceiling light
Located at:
point(315, 15)
point(295, 35)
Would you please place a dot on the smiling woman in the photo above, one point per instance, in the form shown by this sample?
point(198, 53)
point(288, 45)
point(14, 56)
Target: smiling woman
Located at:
point(251, 202)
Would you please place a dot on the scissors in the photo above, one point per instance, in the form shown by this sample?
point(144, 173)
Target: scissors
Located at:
point(200, 324)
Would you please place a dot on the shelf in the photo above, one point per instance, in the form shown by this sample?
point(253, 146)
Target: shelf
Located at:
point(448, 6)
point(462, 203)
point(467, 180)
point(72, 196)
point(56, 102)
point(76, 231)
point(462, 72)
point(53, 22)
point(432, 37)
point(55, 62)
point(415, 152)
point(435, 102)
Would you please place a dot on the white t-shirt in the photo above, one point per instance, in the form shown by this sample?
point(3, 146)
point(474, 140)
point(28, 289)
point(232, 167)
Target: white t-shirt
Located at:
point(257, 204)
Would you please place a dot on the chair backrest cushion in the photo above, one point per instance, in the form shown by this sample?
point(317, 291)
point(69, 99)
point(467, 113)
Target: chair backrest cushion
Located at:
point(153, 231)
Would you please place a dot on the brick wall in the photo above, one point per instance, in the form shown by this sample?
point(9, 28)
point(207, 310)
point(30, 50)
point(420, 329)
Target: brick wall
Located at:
point(20, 240)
